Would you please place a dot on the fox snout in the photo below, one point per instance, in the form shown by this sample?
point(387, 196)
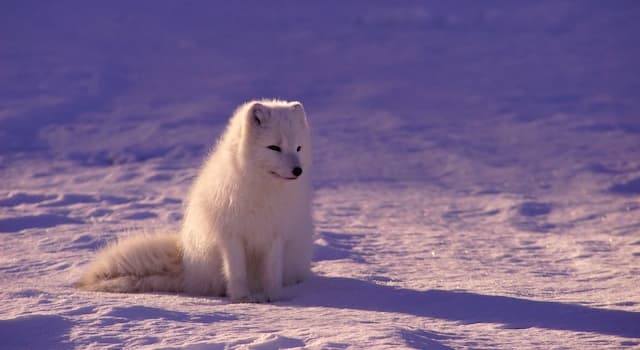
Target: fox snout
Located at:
point(297, 171)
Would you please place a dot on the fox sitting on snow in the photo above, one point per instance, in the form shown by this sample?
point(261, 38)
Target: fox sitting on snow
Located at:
point(247, 228)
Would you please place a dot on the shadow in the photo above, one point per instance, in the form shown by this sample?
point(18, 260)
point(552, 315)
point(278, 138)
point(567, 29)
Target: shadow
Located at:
point(36, 332)
point(465, 307)
point(420, 339)
point(140, 313)
point(531, 209)
point(16, 224)
point(629, 188)
point(531, 217)
point(16, 199)
point(534, 226)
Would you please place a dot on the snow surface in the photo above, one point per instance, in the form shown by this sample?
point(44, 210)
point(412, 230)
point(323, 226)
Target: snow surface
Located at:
point(477, 171)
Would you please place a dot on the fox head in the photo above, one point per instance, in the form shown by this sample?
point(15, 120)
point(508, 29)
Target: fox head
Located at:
point(277, 139)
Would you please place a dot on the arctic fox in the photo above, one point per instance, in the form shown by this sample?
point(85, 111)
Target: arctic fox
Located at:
point(247, 228)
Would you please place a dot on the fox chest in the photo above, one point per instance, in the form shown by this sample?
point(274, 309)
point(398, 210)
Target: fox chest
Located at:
point(258, 220)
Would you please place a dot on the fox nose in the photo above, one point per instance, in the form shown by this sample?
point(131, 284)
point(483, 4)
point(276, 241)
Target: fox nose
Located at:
point(297, 171)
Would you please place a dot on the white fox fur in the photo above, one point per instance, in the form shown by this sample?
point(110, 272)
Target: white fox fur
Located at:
point(247, 229)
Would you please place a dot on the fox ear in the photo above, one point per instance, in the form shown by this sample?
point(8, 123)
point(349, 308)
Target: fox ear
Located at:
point(298, 109)
point(297, 106)
point(259, 113)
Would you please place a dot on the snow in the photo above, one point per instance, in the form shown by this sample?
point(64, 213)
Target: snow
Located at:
point(477, 169)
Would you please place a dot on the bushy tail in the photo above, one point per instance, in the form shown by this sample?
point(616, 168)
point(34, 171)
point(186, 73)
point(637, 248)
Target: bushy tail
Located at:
point(144, 263)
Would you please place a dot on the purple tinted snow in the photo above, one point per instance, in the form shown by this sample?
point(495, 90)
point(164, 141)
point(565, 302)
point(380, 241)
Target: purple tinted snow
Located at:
point(19, 223)
point(148, 313)
point(465, 307)
point(631, 187)
point(36, 332)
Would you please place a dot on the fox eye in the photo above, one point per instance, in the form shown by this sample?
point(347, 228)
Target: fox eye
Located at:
point(298, 149)
point(275, 148)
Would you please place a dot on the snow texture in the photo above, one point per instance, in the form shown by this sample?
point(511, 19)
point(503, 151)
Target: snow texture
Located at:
point(477, 168)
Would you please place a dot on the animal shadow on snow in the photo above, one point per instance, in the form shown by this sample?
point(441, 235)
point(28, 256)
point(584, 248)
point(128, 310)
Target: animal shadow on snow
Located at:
point(465, 307)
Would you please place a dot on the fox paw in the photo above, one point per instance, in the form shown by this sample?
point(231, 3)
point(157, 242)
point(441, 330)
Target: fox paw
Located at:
point(257, 298)
point(251, 299)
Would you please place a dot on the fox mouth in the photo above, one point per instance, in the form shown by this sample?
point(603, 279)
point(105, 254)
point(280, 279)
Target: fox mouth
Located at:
point(282, 177)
